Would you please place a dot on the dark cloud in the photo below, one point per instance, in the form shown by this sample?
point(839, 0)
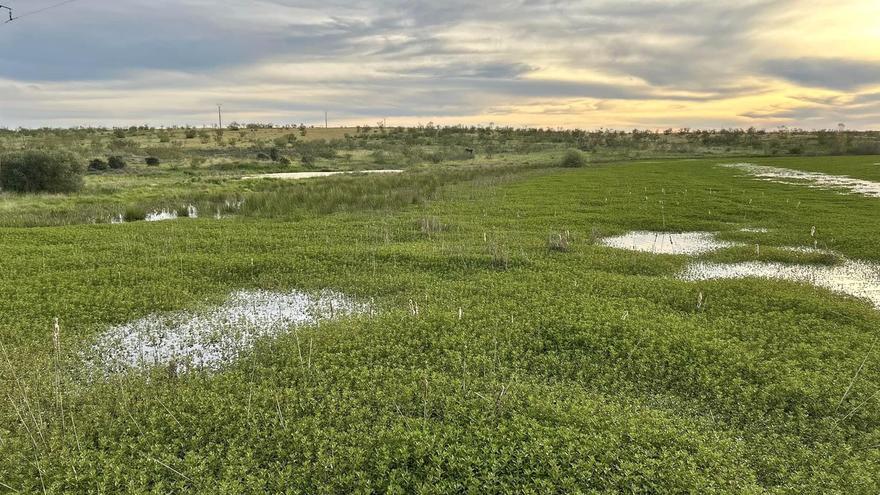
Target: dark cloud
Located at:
point(831, 73)
point(815, 117)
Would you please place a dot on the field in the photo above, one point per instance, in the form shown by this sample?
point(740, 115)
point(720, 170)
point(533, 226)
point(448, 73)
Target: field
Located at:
point(505, 346)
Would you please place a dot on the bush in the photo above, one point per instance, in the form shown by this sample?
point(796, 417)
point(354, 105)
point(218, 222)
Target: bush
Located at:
point(134, 214)
point(40, 171)
point(191, 133)
point(573, 159)
point(308, 161)
point(116, 162)
point(152, 161)
point(379, 157)
point(262, 156)
point(97, 165)
point(285, 140)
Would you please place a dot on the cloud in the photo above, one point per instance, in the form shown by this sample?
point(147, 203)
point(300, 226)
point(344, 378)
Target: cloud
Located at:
point(582, 63)
point(831, 73)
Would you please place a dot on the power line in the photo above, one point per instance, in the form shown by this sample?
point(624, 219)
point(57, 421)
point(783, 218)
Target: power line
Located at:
point(34, 12)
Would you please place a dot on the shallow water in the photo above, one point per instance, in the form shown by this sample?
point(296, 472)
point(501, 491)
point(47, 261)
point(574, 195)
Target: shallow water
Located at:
point(666, 242)
point(311, 175)
point(856, 278)
point(160, 215)
point(206, 340)
point(810, 179)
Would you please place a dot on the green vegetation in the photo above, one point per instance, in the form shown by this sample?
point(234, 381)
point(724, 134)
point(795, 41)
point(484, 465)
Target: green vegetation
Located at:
point(116, 162)
point(510, 351)
point(97, 165)
point(573, 159)
point(40, 171)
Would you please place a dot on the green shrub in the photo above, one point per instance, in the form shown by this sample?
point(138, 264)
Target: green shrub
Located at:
point(284, 141)
point(573, 159)
point(379, 157)
point(152, 161)
point(40, 171)
point(308, 160)
point(191, 133)
point(134, 214)
point(116, 162)
point(97, 165)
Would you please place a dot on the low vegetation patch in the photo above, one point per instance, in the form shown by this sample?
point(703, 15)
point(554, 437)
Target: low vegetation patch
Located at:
point(559, 242)
point(567, 334)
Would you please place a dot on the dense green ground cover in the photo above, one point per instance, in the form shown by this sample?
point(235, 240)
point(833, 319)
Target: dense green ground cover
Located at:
point(526, 369)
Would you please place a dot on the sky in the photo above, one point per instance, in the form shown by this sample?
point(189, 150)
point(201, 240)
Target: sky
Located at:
point(647, 64)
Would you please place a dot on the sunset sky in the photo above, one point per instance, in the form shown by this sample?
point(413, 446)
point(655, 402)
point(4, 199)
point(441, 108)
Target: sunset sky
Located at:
point(587, 64)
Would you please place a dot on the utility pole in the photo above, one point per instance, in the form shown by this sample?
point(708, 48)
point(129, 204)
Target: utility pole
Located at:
point(326, 125)
point(10, 13)
point(219, 116)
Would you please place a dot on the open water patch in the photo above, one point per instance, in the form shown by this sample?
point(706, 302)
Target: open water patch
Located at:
point(185, 340)
point(160, 215)
point(689, 243)
point(855, 278)
point(810, 179)
point(312, 175)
